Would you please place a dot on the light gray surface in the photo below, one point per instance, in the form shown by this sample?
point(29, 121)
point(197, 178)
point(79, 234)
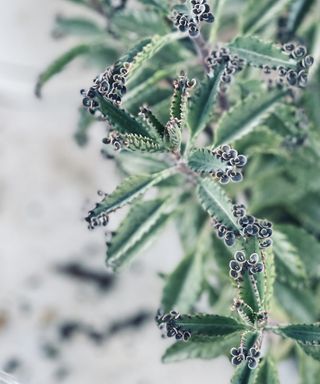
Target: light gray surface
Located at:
point(45, 181)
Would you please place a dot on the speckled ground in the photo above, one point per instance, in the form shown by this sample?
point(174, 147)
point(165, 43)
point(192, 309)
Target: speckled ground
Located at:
point(57, 327)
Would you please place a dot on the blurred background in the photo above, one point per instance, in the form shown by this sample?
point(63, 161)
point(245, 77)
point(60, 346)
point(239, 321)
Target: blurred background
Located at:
point(63, 317)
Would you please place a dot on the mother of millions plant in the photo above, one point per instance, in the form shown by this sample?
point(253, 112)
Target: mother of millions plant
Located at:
point(214, 117)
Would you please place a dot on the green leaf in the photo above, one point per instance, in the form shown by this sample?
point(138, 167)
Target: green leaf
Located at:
point(209, 325)
point(304, 333)
point(308, 368)
point(179, 99)
point(120, 119)
point(202, 160)
point(218, 7)
point(267, 373)
point(128, 190)
point(289, 257)
point(246, 115)
point(269, 275)
point(151, 81)
point(142, 144)
point(184, 285)
point(136, 230)
point(261, 141)
point(140, 23)
point(84, 123)
point(257, 52)
point(145, 50)
point(60, 63)
point(258, 14)
point(307, 245)
point(243, 374)
point(161, 5)
point(132, 163)
point(76, 26)
point(202, 101)
point(214, 200)
point(299, 304)
point(200, 348)
point(298, 11)
point(173, 135)
point(151, 96)
point(253, 287)
point(311, 350)
point(189, 223)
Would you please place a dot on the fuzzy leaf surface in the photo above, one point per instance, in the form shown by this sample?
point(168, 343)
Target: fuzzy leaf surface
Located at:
point(307, 245)
point(243, 374)
point(214, 200)
point(249, 285)
point(142, 144)
point(200, 348)
point(257, 14)
point(76, 26)
point(257, 52)
point(134, 231)
point(288, 254)
point(120, 119)
point(202, 160)
point(299, 304)
point(202, 102)
point(304, 333)
point(128, 190)
point(245, 116)
point(183, 286)
point(267, 373)
point(60, 63)
point(209, 325)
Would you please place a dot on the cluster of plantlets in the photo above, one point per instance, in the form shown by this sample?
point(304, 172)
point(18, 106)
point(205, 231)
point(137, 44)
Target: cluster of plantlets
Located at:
point(195, 120)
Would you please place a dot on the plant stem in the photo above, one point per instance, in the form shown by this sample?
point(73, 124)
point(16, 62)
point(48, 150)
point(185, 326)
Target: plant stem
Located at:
point(202, 49)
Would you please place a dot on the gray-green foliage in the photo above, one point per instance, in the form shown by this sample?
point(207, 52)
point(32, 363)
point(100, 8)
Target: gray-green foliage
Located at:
point(172, 106)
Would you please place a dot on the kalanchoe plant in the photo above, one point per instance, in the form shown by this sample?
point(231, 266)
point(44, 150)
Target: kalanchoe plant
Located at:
point(214, 127)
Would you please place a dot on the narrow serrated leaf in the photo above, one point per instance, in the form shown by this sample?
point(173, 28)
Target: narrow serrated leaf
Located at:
point(202, 101)
point(269, 276)
point(120, 119)
point(84, 123)
point(133, 232)
point(257, 14)
point(128, 190)
point(209, 325)
point(304, 333)
point(258, 52)
point(298, 10)
point(309, 369)
point(59, 64)
point(184, 285)
point(140, 23)
point(142, 144)
point(288, 255)
point(266, 373)
point(145, 50)
point(76, 26)
point(307, 246)
point(246, 116)
point(202, 160)
point(214, 200)
point(299, 304)
point(200, 348)
point(253, 287)
point(243, 374)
